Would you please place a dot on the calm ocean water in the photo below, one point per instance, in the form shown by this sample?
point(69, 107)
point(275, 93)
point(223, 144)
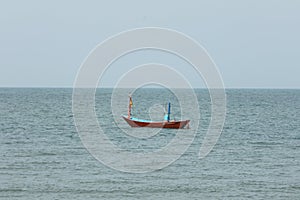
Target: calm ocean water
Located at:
point(257, 155)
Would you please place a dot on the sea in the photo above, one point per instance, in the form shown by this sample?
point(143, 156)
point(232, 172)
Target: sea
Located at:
point(257, 156)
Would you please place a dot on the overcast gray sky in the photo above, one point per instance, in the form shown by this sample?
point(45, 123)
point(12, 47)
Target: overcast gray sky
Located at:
point(254, 43)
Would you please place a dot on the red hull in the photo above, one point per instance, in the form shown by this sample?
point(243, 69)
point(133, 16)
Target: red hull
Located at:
point(150, 124)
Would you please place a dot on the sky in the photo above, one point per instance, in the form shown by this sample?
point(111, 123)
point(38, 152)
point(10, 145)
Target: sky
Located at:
point(255, 44)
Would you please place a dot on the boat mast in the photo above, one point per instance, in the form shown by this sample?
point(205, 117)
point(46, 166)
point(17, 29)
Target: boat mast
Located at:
point(169, 111)
point(129, 106)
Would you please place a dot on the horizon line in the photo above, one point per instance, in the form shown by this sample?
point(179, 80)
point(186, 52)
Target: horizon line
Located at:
point(65, 87)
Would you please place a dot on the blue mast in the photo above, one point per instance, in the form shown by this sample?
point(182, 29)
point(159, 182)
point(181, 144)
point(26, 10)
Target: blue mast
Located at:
point(169, 111)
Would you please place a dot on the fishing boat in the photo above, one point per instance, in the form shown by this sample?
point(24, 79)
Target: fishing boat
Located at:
point(166, 123)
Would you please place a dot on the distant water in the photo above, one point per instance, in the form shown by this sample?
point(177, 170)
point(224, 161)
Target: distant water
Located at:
point(257, 155)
